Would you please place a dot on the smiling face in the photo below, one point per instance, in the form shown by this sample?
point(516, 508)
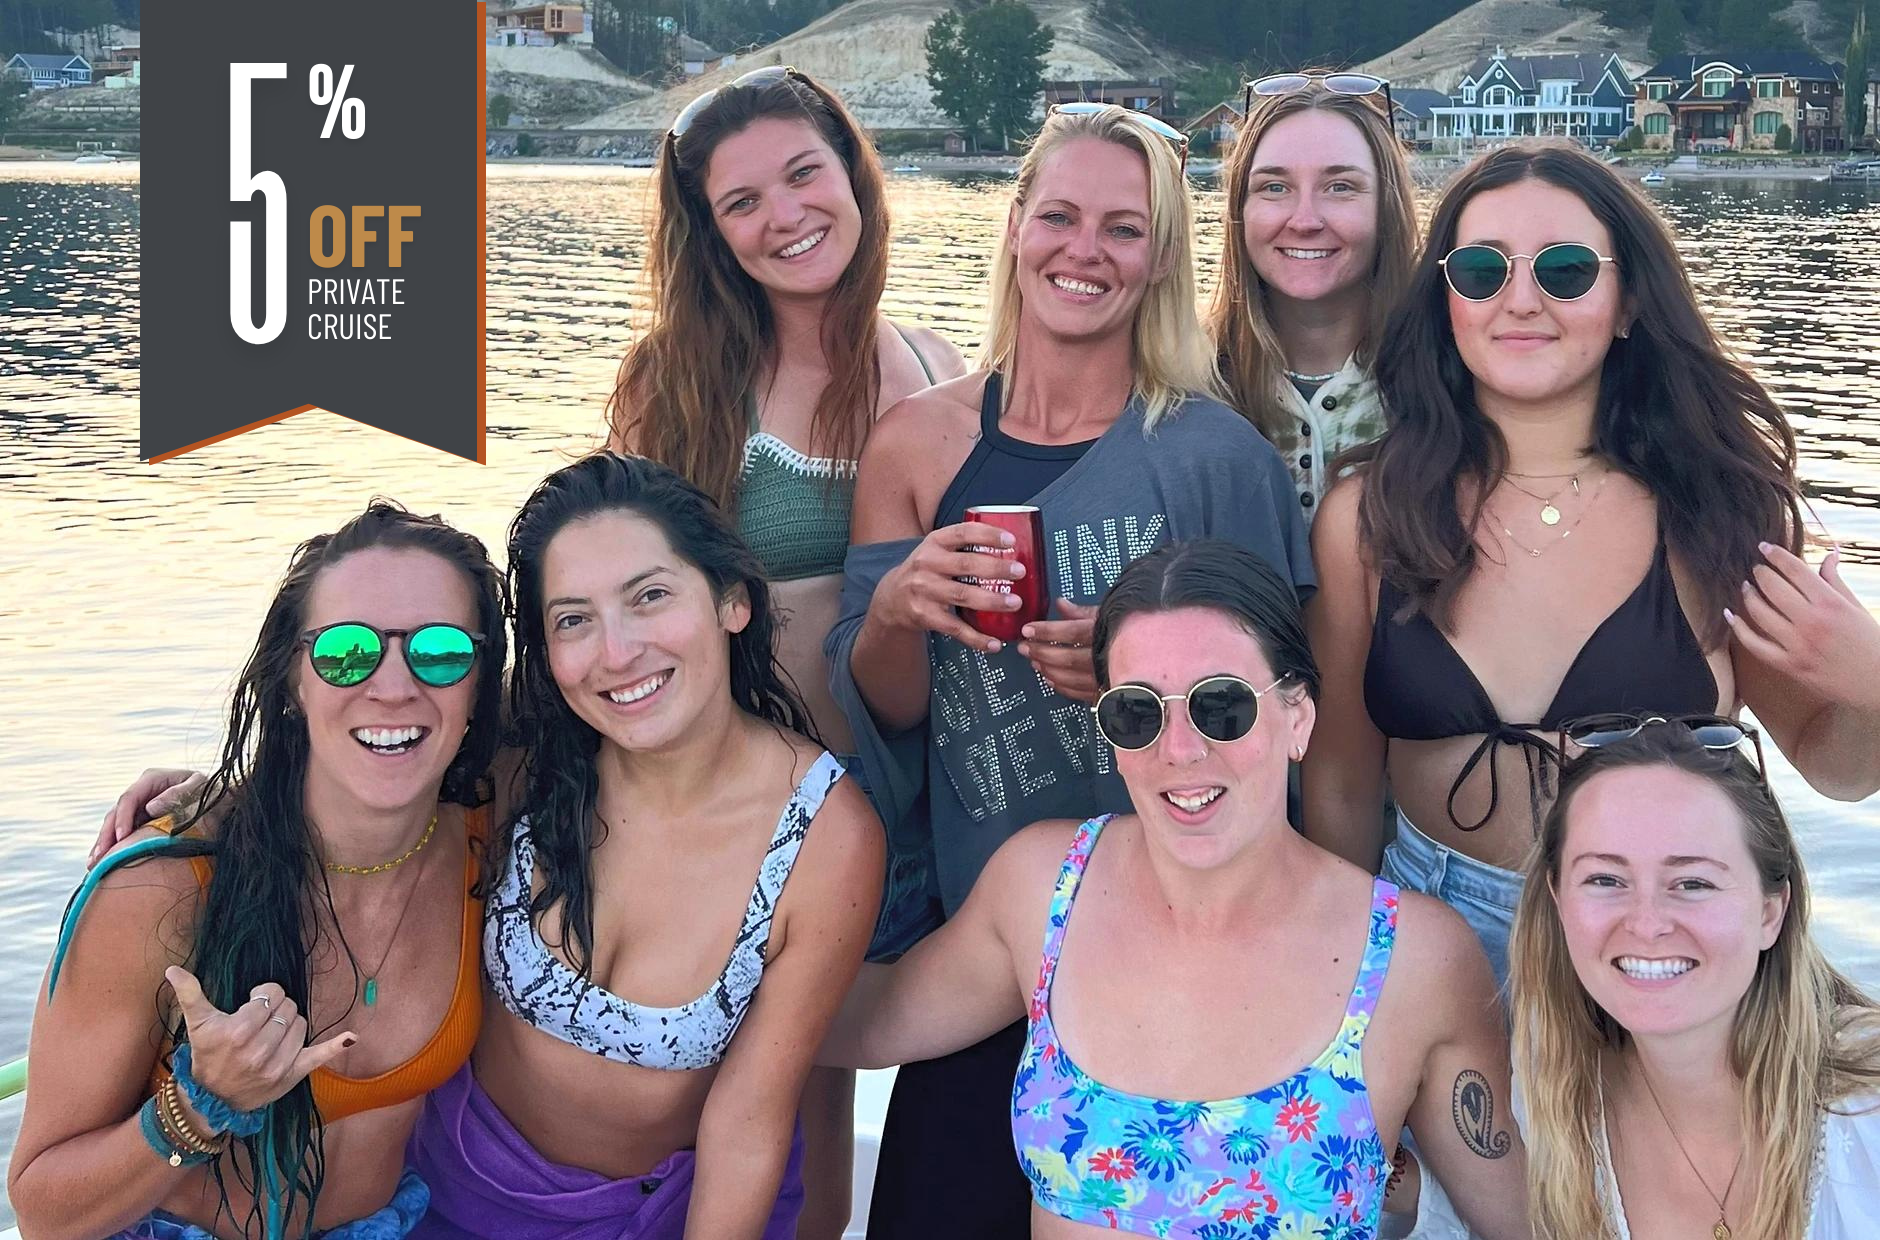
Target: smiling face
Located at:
point(1662, 908)
point(385, 743)
point(783, 203)
point(1205, 799)
point(1522, 346)
point(1310, 218)
point(636, 637)
point(1081, 240)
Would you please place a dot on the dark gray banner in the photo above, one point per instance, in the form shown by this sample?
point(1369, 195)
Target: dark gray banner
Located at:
point(345, 139)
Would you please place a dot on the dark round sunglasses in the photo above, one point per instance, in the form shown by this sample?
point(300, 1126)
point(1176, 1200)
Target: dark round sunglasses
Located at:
point(347, 653)
point(1222, 708)
point(1565, 272)
point(1710, 731)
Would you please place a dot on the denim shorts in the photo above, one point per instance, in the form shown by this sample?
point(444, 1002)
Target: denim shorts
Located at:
point(1485, 895)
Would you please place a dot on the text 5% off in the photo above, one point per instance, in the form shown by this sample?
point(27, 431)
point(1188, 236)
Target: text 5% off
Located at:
point(356, 235)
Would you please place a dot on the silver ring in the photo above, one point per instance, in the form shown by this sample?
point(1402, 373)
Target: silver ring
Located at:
point(278, 1020)
point(263, 1001)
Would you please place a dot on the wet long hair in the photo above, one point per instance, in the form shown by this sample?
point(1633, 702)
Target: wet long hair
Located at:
point(1173, 359)
point(1253, 364)
point(1676, 412)
point(1220, 576)
point(1806, 1039)
point(260, 915)
point(679, 397)
point(562, 780)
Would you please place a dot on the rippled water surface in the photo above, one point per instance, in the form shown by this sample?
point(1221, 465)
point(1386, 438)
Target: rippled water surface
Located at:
point(129, 593)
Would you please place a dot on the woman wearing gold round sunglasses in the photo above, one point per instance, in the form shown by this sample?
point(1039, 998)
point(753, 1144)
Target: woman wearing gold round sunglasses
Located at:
point(1583, 505)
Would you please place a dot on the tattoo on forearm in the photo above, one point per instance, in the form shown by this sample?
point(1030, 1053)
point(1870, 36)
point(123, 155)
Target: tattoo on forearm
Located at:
point(1474, 1107)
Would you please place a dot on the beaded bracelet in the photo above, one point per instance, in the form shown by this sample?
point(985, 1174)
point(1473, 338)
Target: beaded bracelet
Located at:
point(177, 1126)
point(158, 1139)
point(221, 1116)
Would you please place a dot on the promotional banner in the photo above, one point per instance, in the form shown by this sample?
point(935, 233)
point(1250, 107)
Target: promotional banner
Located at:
point(312, 222)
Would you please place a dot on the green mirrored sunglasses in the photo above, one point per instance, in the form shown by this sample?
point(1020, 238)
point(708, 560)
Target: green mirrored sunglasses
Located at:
point(347, 653)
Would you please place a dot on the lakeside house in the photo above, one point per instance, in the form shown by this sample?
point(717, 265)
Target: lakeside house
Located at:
point(1587, 96)
point(47, 71)
point(1149, 96)
point(699, 57)
point(1415, 118)
point(1740, 101)
point(537, 25)
point(1218, 126)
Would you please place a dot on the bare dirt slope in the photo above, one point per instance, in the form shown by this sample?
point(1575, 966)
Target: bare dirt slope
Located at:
point(870, 52)
point(1438, 57)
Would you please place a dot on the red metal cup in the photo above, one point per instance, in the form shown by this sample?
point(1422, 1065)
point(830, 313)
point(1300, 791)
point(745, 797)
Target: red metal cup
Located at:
point(1026, 526)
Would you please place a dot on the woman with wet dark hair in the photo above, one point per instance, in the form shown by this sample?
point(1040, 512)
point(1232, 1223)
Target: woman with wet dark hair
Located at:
point(1583, 504)
point(681, 839)
point(249, 1000)
point(1204, 952)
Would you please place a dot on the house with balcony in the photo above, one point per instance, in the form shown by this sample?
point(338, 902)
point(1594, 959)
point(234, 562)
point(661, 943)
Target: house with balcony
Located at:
point(538, 25)
point(1587, 96)
point(1740, 101)
point(48, 71)
point(1149, 96)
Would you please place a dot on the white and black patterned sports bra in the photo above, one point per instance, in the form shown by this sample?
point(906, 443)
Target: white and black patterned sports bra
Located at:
point(537, 986)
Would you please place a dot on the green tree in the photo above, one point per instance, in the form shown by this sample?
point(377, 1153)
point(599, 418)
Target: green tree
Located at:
point(1855, 84)
point(986, 67)
point(1667, 37)
point(12, 99)
point(954, 76)
point(500, 107)
point(1785, 138)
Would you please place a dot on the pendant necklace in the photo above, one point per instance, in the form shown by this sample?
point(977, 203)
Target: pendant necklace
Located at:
point(371, 975)
point(1550, 515)
point(1536, 552)
point(1720, 1230)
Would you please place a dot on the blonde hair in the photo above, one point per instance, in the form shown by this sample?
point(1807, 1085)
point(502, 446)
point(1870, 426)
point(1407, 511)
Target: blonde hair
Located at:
point(1173, 359)
point(1252, 363)
point(1804, 1039)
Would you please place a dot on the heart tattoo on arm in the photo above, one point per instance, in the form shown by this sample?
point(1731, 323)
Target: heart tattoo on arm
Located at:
point(1474, 1107)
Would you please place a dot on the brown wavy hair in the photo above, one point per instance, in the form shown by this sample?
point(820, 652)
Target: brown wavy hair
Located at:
point(1676, 412)
point(679, 397)
point(1252, 363)
point(1806, 1039)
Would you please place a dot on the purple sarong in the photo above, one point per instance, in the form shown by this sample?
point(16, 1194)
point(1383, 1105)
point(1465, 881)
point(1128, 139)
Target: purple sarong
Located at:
point(488, 1182)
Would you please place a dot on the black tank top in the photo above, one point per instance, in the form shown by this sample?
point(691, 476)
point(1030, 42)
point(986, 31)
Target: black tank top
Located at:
point(1643, 658)
point(1001, 469)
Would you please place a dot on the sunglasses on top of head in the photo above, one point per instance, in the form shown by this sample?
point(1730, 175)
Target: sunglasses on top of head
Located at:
point(1715, 732)
point(1090, 107)
point(1566, 271)
point(347, 653)
point(1336, 83)
point(765, 76)
point(1222, 708)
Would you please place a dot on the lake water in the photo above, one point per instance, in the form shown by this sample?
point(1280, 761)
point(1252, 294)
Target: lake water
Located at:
point(129, 593)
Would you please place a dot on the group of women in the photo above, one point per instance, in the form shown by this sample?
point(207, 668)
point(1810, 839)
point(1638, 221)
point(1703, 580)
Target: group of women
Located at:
point(1548, 536)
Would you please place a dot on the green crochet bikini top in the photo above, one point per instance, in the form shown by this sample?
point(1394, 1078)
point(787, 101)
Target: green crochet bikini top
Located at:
point(793, 509)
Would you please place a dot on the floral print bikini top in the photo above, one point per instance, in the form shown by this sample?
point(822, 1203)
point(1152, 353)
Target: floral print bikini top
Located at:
point(1298, 1158)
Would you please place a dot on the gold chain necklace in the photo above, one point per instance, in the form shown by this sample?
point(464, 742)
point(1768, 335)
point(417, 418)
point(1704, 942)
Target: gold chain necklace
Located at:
point(333, 867)
point(1537, 552)
point(1550, 515)
point(1721, 1229)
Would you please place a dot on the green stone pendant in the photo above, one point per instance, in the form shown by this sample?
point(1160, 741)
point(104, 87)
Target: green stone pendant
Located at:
point(372, 991)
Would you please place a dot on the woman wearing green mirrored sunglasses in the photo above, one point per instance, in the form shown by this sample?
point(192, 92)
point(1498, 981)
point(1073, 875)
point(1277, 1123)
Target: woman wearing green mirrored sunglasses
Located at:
point(1584, 505)
point(277, 974)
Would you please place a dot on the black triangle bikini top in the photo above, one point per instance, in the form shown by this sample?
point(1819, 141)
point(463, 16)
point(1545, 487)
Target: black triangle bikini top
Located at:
point(1643, 658)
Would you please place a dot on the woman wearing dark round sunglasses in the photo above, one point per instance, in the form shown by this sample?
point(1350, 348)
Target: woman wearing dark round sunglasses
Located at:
point(1199, 948)
point(248, 1002)
point(759, 377)
point(1320, 234)
point(1582, 505)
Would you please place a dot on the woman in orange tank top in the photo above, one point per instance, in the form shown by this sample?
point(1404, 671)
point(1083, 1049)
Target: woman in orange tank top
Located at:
point(234, 1040)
